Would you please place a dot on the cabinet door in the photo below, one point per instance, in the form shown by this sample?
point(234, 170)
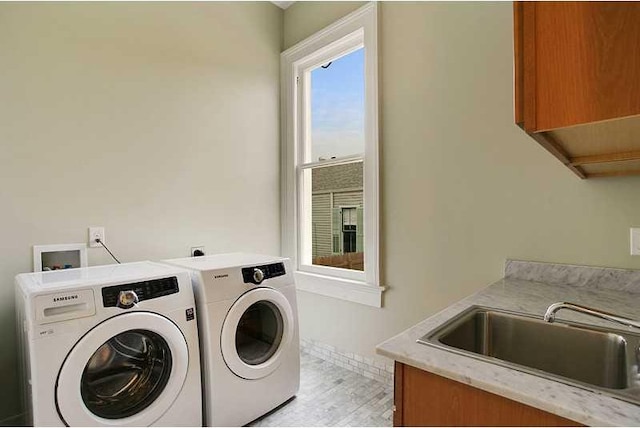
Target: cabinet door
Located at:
point(425, 399)
point(576, 62)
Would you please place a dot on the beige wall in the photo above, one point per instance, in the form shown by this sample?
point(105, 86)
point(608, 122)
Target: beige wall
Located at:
point(462, 187)
point(305, 18)
point(158, 121)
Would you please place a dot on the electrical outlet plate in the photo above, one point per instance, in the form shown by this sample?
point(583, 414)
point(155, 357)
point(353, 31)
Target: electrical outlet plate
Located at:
point(96, 232)
point(635, 241)
point(201, 248)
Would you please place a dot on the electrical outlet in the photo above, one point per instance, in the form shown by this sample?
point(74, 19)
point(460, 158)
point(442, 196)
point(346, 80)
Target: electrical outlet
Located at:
point(96, 232)
point(635, 241)
point(194, 249)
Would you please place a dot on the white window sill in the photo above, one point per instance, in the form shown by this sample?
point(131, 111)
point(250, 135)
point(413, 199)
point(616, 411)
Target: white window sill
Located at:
point(339, 288)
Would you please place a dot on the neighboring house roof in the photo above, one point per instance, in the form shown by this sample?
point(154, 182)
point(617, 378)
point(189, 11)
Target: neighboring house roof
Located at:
point(338, 177)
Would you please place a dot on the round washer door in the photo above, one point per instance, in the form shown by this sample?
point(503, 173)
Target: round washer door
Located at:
point(128, 370)
point(258, 328)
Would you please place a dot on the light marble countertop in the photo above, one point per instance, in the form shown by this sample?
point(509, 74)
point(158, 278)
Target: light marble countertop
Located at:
point(532, 297)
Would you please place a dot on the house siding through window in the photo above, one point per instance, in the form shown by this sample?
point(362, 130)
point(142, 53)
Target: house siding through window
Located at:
point(333, 187)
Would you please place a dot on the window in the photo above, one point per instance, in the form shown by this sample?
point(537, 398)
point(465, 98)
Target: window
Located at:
point(351, 241)
point(330, 159)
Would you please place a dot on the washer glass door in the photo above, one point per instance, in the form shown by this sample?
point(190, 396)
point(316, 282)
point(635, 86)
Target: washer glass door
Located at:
point(127, 370)
point(126, 374)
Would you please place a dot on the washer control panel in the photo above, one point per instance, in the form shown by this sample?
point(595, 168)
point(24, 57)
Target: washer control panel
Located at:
point(257, 274)
point(127, 295)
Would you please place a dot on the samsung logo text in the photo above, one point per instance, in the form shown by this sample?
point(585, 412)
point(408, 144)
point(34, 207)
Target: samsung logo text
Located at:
point(65, 298)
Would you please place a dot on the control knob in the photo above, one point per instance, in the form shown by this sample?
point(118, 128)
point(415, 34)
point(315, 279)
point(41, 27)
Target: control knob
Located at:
point(258, 275)
point(127, 299)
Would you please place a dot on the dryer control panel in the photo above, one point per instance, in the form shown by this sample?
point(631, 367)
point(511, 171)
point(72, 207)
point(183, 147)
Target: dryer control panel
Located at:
point(257, 274)
point(144, 290)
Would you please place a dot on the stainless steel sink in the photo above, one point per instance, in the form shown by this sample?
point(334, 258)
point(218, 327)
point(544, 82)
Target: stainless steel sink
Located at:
point(595, 358)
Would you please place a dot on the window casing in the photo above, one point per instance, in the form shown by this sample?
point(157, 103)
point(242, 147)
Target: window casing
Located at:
point(353, 32)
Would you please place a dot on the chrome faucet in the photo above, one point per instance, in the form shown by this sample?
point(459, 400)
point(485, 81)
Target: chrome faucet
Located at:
point(550, 314)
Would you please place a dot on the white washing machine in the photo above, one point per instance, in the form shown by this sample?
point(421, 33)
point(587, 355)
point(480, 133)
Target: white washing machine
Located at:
point(110, 346)
point(248, 322)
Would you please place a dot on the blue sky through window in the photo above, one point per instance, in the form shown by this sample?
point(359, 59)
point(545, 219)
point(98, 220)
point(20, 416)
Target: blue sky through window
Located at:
point(337, 108)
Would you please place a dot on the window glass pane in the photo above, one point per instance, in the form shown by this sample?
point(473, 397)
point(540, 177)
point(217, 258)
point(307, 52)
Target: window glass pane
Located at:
point(337, 108)
point(348, 217)
point(337, 216)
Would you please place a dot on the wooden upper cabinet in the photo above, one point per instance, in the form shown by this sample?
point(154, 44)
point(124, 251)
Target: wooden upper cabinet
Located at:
point(578, 82)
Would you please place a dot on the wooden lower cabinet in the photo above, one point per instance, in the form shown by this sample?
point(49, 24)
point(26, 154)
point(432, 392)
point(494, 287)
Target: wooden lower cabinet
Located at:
point(425, 399)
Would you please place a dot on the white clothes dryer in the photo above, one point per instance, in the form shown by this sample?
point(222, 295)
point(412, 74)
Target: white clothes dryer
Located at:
point(110, 346)
point(249, 334)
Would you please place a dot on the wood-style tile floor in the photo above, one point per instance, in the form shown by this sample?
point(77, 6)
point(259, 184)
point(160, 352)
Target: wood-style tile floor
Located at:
point(332, 396)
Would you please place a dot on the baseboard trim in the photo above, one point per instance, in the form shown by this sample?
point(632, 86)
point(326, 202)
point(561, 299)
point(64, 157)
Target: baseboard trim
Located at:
point(368, 367)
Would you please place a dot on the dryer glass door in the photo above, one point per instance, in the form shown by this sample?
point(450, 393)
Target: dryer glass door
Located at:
point(126, 374)
point(259, 333)
point(256, 330)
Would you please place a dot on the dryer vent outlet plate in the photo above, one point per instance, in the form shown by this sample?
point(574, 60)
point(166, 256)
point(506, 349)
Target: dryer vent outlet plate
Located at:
point(197, 251)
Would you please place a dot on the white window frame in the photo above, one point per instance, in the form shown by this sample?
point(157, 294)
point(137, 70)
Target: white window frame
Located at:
point(338, 39)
